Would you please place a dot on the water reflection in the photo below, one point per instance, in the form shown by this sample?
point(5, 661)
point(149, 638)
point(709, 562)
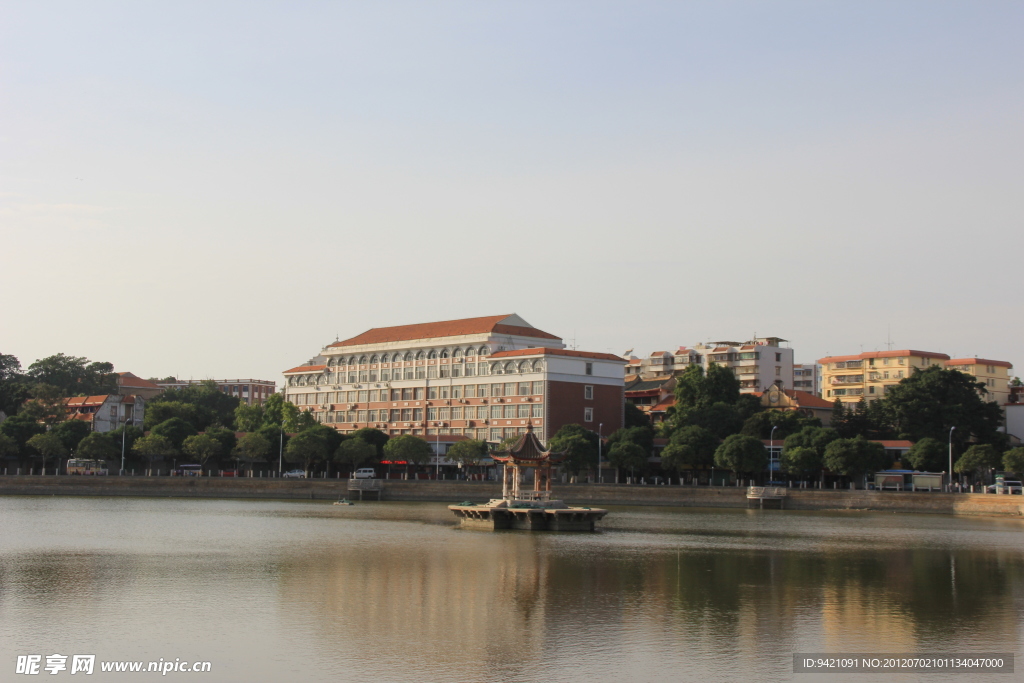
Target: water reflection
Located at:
point(280, 588)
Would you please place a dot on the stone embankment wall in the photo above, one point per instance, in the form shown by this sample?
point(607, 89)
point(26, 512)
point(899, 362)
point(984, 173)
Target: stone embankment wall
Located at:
point(457, 491)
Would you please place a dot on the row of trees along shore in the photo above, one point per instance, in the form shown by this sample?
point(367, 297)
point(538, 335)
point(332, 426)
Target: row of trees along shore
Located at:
point(712, 425)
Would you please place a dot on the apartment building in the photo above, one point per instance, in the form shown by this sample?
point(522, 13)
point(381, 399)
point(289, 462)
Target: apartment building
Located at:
point(806, 377)
point(249, 391)
point(107, 412)
point(759, 363)
point(871, 374)
point(994, 374)
point(485, 378)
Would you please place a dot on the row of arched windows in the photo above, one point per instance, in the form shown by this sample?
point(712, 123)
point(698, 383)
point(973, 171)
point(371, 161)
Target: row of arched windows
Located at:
point(507, 368)
point(409, 356)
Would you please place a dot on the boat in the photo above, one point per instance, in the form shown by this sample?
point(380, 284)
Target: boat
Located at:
point(343, 501)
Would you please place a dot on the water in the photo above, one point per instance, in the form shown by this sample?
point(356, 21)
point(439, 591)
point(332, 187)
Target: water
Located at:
point(297, 591)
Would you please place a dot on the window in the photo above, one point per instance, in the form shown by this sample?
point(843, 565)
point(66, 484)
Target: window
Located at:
point(495, 435)
point(588, 414)
point(373, 375)
point(588, 392)
point(538, 387)
point(431, 413)
point(496, 390)
point(457, 353)
point(385, 375)
point(457, 413)
point(363, 374)
point(432, 372)
point(444, 353)
point(364, 396)
point(470, 370)
point(510, 389)
point(444, 413)
point(419, 393)
point(470, 413)
point(778, 370)
point(444, 370)
point(417, 414)
point(374, 358)
point(470, 391)
point(419, 355)
point(537, 409)
point(442, 392)
point(496, 369)
point(407, 394)
point(421, 373)
point(457, 391)
point(524, 388)
point(524, 410)
point(352, 396)
point(362, 360)
point(481, 369)
point(495, 412)
point(432, 392)
point(456, 370)
point(373, 416)
point(407, 414)
point(432, 354)
point(362, 416)
point(484, 351)
point(510, 411)
point(589, 369)
point(410, 373)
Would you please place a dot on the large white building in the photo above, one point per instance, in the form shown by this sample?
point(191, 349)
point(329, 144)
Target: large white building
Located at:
point(485, 378)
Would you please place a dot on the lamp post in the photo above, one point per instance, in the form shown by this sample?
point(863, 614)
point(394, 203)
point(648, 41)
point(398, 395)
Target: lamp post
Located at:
point(771, 451)
point(951, 458)
point(437, 453)
point(600, 426)
point(280, 452)
point(124, 440)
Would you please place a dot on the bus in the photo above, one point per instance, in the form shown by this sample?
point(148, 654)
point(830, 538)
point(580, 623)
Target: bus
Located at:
point(86, 467)
point(188, 471)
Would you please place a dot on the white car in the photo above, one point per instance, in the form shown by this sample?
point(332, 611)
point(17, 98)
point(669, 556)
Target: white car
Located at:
point(365, 473)
point(1008, 486)
point(294, 474)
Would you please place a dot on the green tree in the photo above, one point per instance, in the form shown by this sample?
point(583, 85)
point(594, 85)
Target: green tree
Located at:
point(128, 434)
point(928, 455)
point(740, 453)
point(73, 375)
point(817, 438)
point(253, 447)
point(301, 421)
point(579, 444)
point(721, 419)
point(279, 412)
point(8, 447)
point(375, 438)
point(97, 446)
point(163, 411)
point(71, 433)
point(634, 417)
point(48, 446)
point(931, 401)
point(249, 418)
point(202, 448)
point(409, 448)
point(468, 453)
point(691, 446)
point(800, 461)
point(642, 436)
point(627, 455)
point(176, 430)
point(978, 459)
point(226, 437)
point(306, 447)
point(21, 428)
point(46, 405)
point(211, 405)
point(1013, 460)
point(354, 452)
point(856, 457)
point(154, 447)
point(697, 389)
point(785, 422)
point(13, 384)
point(838, 421)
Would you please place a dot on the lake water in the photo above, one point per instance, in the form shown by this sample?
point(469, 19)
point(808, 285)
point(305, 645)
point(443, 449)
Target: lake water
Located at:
point(308, 591)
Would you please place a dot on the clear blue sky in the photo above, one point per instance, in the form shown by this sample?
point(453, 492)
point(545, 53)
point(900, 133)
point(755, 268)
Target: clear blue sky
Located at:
point(221, 188)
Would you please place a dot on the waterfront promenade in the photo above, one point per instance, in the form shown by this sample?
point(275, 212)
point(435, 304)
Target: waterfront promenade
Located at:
point(457, 491)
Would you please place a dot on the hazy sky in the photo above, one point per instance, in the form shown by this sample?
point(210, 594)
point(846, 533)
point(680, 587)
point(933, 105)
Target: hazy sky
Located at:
point(221, 188)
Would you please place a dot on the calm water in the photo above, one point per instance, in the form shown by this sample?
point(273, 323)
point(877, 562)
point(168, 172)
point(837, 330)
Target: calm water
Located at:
point(294, 591)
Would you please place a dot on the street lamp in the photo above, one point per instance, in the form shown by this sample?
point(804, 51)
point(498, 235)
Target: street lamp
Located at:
point(124, 440)
point(951, 458)
point(771, 451)
point(600, 426)
point(437, 453)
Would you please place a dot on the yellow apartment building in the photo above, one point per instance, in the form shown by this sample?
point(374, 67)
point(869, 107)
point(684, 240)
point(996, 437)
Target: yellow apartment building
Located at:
point(870, 374)
point(994, 374)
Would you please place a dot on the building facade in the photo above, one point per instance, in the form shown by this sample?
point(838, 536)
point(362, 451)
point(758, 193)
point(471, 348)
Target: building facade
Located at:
point(483, 378)
point(873, 373)
point(250, 391)
point(806, 377)
point(758, 364)
point(128, 384)
point(107, 412)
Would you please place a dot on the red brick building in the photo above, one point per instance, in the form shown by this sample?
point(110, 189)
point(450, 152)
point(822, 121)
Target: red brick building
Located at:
point(484, 378)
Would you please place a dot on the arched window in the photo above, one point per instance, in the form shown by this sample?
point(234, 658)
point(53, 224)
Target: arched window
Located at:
point(510, 368)
point(330, 362)
point(352, 360)
point(384, 358)
point(432, 354)
point(419, 355)
point(444, 353)
point(408, 355)
point(524, 366)
point(374, 358)
point(484, 351)
point(496, 369)
point(457, 353)
point(538, 366)
point(362, 360)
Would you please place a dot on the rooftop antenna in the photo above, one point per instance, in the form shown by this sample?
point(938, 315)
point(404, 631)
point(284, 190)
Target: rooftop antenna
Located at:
point(888, 336)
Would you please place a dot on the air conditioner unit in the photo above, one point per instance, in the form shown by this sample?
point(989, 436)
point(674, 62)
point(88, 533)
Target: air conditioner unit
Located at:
point(469, 423)
point(487, 422)
point(352, 405)
point(325, 406)
point(418, 424)
point(336, 387)
point(483, 400)
point(357, 386)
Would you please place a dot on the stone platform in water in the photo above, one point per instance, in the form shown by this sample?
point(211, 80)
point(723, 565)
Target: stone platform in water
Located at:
point(546, 515)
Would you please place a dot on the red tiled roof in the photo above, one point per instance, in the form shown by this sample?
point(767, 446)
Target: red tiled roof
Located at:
point(978, 361)
point(127, 379)
point(446, 328)
point(898, 443)
point(558, 352)
point(807, 399)
point(661, 407)
point(642, 392)
point(82, 401)
point(884, 354)
point(306, 368)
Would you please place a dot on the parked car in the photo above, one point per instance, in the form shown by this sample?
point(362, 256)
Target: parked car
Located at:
point(294, 474)
point(365, 473)
point(1009, 487)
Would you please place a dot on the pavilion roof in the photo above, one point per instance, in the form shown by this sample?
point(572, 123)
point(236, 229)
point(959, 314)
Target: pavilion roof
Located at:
point(528, 450)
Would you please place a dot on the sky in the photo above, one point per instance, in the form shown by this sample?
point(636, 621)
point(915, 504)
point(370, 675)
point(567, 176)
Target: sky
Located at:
point(220, 189)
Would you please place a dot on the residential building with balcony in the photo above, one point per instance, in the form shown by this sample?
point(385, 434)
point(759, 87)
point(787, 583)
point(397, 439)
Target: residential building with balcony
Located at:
point(484, 378)
point(107, 412)
point(806, 377)
point(758, 364)
point(873, 373)
point(249, 391)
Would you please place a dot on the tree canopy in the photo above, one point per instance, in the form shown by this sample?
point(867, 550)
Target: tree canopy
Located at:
point(201, 448)
point(742, 453)
point(354, 452)
point(468, 453)
point(97, 446)
point(253, 447)
point(307, 447)
point(47, 446)
point(209, 404)
point(627, 455)
point(154, 447)
point(580, 445)
point(691, 446)
point(1013, 460)
point(176, 430)
point(855, 457)
point(74, 375)
point(978, 459)
point(928, 455)
point(71, 433)
point(408, 448)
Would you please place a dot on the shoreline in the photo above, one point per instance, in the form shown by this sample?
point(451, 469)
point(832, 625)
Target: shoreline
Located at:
point(971, 504)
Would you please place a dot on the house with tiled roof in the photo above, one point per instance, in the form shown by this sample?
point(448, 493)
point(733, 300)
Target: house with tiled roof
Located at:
point(805, 403)
point(131, 384)
point(486, 378)
point(107, 412)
